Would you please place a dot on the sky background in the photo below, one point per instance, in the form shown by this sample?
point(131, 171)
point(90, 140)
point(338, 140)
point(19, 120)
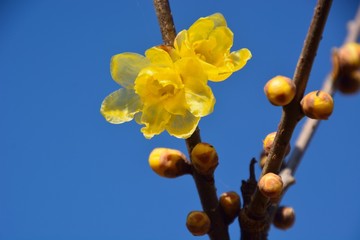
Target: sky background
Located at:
point(66, 173)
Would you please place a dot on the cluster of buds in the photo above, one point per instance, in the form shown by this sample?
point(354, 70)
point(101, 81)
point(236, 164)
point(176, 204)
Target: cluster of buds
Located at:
point(171, 163)
point(346, 68)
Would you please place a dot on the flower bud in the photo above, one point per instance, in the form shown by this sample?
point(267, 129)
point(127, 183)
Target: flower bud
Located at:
point(284, 217)
point(198, 223)
point(349, 82)
point(204, 158)
point(271, 185)
point(280, 90)
point(317, 105)
point(268, 142)
point(349, 56)
point(168, 162)
point(230, 203)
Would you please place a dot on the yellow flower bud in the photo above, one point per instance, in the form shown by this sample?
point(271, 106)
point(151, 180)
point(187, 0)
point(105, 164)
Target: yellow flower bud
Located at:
point(271, 185)
point(204, 158)
point(230, 203)
point(168, 163)
point(268, 142)
point(198, 223)
point(349, 56)
point(284, 218)
point(317, 105)
point(280, 90)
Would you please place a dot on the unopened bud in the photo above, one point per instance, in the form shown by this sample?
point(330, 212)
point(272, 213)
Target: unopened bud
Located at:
point(349, 82)
point(271, 185)
point(280, 90)
point(204, 158)
point(230, 203)
point(269, 142)
point(317, 105)
point(349, 56)
point(198, 223)
point(168, 163)
point(284, 217)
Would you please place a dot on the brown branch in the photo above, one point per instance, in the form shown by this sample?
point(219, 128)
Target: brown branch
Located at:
point(205, 184)
point(166, 21)
point(311, 125)
point(292, 113)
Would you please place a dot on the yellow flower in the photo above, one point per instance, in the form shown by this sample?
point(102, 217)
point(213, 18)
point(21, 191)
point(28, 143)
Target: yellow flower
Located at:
point(210, 39)
point(158, 93)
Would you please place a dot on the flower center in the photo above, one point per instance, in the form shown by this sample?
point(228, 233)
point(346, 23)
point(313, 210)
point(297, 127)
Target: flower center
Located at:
point(166, 91)
point(161, 92)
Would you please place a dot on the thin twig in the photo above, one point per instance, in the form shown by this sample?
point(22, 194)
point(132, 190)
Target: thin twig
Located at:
point(311, 125)
point(166, 22)
point(292, 113)
point(205, 184)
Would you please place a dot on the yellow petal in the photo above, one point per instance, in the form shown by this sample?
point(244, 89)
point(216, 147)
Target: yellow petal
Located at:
point(239, 58)
point(218, 19)
point(159, 57)
point(182, 126)
point(200, 100)
point(176, 104)
point(120, 106)
point(183, 46)
point(125, 67)
point(234, 62)
point(198, 94)
point(203, 26)
point(224, 40)
point(154, 117)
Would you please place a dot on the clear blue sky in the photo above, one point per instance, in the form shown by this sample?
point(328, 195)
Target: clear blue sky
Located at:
point(65, 173)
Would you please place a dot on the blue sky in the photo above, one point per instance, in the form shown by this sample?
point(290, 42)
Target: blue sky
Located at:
point(65, 173)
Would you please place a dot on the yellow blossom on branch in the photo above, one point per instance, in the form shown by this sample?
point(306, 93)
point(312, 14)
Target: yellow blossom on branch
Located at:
point(166, 90)
point(210, 39)
point(159, 93)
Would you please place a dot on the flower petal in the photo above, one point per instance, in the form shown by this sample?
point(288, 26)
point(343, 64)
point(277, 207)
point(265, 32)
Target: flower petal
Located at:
point(124, 68)
point(218, 20)
point(182, 126)
point(198, 94)
point(234, 62)
point(176, 104)
point(203, 26)
point(182, 44)
point(154, 117)
point(120, 106)
point(159, 57)
point(239, 58)
point(224, 40)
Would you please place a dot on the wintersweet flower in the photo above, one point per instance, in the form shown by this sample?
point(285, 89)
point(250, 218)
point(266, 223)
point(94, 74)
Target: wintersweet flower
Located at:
point(210, 39)
point(159, 93)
